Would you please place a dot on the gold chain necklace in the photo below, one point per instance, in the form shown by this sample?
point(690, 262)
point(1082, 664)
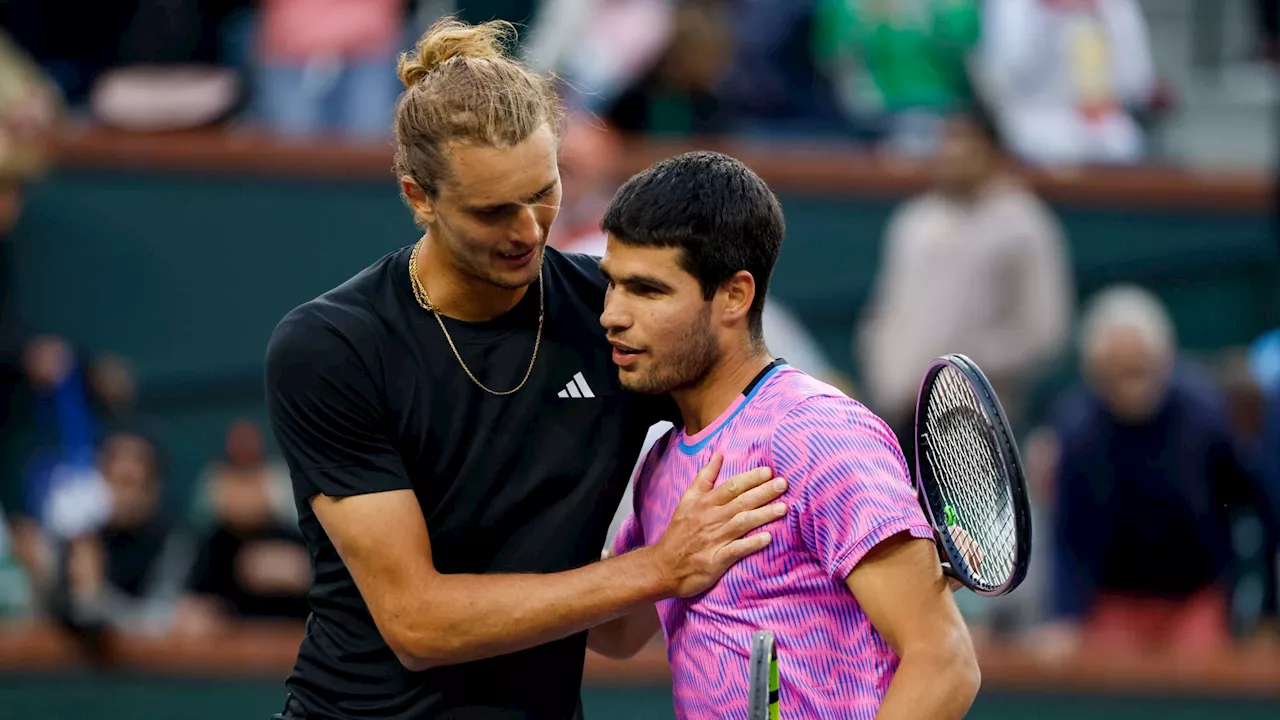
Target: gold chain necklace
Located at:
point(420, 293)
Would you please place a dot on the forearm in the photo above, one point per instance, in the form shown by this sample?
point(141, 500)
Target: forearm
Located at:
point(936, 683)
point(623, 637)
point(470, 617)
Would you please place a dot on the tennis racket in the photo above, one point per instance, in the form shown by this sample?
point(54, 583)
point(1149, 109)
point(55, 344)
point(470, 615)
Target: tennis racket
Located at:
point(763, 703)
point(969, 478)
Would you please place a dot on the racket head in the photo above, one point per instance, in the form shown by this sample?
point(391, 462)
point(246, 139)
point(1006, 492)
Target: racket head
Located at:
point(763, 679)
point(969, 473)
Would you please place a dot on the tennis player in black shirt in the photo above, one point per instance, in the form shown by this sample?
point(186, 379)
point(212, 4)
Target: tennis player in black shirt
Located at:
point(457, 436)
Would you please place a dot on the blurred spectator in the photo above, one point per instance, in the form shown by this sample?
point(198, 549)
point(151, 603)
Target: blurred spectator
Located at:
point(678, 95)
point(145, 65)
point(108, 36)
point(252, 561)
point(775, 87)
point(244, 457)
point(1147, 473)
point(976, 266)
point(1254, 591)
point(1067, 77)
point(112, 389)
point(590, 151)
point(1264, 365)
point(905, 62)
point(64, 488)
point(30, 106)
point(16, 597)
point(600, 47)
point(127, 573)
point(328, 66)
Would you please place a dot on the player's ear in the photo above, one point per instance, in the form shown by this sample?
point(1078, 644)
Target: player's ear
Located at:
point(422, 204)
point(737, 293)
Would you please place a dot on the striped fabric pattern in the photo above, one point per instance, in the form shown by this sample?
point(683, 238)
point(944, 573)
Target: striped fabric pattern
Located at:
point(848, 491)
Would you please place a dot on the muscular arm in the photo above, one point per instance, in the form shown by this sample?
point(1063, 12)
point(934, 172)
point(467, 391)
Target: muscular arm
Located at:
point(900, 586)
point(430, 618)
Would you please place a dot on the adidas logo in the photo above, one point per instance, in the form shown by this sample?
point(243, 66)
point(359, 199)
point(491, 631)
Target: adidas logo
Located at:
point(577, 388)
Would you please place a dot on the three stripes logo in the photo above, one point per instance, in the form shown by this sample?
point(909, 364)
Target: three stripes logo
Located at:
point(577, 388)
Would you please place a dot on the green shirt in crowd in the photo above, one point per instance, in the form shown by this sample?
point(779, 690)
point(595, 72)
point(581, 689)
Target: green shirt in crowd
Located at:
point(894, 55)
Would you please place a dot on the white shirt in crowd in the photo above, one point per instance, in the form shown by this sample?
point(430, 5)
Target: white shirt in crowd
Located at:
point(1064, 75)
point(987, 278)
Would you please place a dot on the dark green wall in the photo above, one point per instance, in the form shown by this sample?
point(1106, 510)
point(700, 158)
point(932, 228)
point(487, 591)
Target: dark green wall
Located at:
point(124, 697)
point(187, 275)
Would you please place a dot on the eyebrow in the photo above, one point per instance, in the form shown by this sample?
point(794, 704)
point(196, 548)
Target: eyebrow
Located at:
point(526, 201)
point(633, 280)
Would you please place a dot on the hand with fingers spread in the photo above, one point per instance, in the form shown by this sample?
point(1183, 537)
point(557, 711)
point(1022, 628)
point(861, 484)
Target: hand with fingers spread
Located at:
point(709, 530)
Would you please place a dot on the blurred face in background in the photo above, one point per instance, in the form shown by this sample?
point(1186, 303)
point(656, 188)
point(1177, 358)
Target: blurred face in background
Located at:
point(589, 155)
point(47, 361)
point(1128, 373)
point(128, 466)
point(657, 319)
point(701, 48)
point(241, 495)
point(113, 383)
point(965, 158)
point(244, 444)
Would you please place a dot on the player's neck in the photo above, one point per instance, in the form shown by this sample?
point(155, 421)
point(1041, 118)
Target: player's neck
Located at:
point(458, 295)
point(701, 404)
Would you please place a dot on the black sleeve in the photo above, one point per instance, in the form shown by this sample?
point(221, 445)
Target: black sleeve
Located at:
point(326, 412)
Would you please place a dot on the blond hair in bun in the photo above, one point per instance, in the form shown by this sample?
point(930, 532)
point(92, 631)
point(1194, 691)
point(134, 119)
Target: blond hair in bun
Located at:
point(462, 85)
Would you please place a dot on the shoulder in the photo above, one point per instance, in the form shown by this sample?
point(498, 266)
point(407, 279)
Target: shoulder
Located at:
point(337, 333)
point(315, 334)
point(920, 212)
point(923, 206)
point(805, 410)
point(1023, 207)
point(790, 392)
point(347, 316)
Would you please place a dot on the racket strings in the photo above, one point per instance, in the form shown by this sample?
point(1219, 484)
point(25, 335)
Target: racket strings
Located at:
point(962, 453)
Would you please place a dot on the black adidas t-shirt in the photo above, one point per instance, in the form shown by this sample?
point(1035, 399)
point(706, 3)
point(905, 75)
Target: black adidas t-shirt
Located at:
point(366, 396)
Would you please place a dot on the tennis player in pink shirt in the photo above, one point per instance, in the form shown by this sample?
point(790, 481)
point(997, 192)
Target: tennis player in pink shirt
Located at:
point(850, 583)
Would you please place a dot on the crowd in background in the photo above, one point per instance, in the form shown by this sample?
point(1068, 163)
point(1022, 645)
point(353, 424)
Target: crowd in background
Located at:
point(1071, 81)
point(1156, 479)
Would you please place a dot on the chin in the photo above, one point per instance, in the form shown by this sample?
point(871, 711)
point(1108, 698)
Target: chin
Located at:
point(514, 280)
point(641, 383)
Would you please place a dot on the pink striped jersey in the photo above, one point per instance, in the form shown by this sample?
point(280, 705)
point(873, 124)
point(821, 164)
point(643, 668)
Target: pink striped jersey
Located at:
point(848, 490)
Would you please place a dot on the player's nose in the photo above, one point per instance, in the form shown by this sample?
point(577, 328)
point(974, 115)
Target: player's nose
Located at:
point(613, 317)
point(525, 229)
